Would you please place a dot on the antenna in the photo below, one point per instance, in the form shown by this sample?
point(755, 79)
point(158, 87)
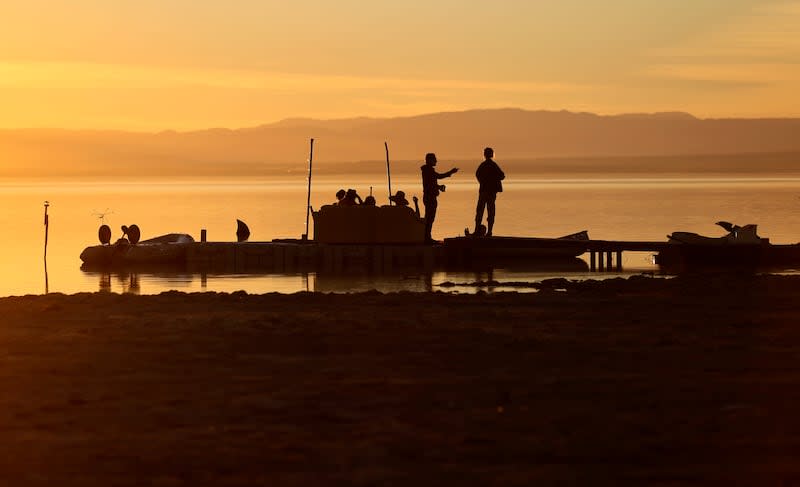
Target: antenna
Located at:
point(101, 215)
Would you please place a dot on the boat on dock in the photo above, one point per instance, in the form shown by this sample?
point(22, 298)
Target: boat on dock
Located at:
point(163, 251)
point(740, 249)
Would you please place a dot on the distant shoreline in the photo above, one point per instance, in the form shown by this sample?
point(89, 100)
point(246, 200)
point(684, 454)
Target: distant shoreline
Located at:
point(783, 164)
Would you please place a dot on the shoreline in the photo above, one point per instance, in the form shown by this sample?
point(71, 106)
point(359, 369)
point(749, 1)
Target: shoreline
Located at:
point(688, 380)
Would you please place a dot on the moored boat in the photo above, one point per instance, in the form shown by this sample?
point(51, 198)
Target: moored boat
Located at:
point(167, 249)
point(516, 248)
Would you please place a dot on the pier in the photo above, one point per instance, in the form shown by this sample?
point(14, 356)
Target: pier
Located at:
point(299, 255)
point(296, 255)
point(606, 255)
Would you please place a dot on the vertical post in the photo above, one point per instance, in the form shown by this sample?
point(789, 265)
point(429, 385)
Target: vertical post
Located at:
point(46, 228)
point(388, 171)
point(600, 261)
point(608, 260)
point(592, 261)
point(46, 231)
point(308, 201)
point(203, 235)
point(619, 261)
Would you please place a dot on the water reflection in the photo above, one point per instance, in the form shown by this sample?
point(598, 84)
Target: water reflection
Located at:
point(471, 280)
point(128, 282)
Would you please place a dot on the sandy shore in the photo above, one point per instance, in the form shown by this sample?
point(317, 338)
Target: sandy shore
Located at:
point(642, 381)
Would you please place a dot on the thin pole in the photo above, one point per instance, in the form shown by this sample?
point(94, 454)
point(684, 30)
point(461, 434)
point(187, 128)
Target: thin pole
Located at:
point(46, 228)
point(308, 202)
point(388, 171)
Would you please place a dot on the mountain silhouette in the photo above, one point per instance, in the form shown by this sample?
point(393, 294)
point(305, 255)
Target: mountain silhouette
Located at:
point(514, 133)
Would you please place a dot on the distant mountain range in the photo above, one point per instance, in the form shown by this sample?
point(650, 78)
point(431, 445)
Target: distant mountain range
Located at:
point(283, 146)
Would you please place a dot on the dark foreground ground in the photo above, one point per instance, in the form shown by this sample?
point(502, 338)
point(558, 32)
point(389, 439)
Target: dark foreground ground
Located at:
point(644, 381)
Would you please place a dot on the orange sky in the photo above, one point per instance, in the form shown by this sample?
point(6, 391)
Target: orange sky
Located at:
point(181, 64)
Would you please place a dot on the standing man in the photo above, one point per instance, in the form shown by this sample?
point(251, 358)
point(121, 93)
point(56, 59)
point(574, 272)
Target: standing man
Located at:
point(489, 176)
point(430, 191)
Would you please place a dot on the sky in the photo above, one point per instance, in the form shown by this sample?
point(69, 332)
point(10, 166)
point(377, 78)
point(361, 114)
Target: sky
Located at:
point(191, 64)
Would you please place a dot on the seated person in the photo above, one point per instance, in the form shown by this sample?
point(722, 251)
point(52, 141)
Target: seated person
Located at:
point(399, 199)
point(351, 198)
point(340, 196)
point(369, 201)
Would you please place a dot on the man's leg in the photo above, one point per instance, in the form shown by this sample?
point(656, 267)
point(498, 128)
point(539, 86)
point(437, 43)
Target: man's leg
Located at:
point(490, 199)
point(430, 216)
point(479, 211)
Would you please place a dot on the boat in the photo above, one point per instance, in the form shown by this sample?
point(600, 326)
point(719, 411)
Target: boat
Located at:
point(740, 248)
point(499, 249)
point(164, 250)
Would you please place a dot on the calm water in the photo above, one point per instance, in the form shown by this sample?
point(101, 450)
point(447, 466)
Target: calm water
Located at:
point(621, 209)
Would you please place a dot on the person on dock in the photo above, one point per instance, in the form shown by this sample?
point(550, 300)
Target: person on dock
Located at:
point(399, 199)
point(489, 177)
point(340, 196)
point(430, 191)
point(351, 198)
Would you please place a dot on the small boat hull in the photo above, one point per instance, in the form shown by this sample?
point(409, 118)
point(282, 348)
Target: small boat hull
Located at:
point(166, 250)
point(515, 249)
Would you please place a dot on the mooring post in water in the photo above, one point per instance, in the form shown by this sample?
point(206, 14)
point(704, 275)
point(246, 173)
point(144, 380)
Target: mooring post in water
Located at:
point(388, 171)
point(308, 201)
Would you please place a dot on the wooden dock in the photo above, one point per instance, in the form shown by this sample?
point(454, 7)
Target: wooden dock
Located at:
point(297, 255)
point(289, 256)
point(607, 254)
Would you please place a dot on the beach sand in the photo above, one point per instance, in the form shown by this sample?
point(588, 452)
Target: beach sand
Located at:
point(638, 381)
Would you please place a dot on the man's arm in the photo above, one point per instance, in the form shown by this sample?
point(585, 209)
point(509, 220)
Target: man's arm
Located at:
point(446, 174)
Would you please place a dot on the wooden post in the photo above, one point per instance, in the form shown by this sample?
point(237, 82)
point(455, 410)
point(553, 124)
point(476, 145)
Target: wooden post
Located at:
point(592, 261)
point(308, 201)
point(203, 235)
point(608, 260)
point(619, 261)
point(388, 171)
point(46, 228)
point(600, 261)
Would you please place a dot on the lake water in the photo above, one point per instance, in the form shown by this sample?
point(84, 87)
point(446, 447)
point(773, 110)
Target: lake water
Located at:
point(613, 209)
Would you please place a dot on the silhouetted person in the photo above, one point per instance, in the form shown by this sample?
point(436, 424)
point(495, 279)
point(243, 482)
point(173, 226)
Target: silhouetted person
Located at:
point(351, 198)
point(489, 176)
point(430, 191)
point(399, 198)
point(340, 196)
point(369, 201)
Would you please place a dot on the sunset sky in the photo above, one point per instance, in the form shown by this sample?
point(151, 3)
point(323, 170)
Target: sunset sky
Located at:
point(188, 64)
